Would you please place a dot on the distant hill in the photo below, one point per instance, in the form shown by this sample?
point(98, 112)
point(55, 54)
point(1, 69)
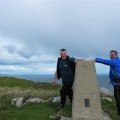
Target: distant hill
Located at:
point(103, 80)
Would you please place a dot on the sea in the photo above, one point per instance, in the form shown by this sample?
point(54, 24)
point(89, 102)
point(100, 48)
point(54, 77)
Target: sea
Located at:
point(103, 80)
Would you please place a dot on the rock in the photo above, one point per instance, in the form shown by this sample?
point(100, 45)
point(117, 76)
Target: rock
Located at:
point(34, 100)
point(107, 98)
point(106, 92)
point(56, 99)
point(17, 102)
point(25, 99)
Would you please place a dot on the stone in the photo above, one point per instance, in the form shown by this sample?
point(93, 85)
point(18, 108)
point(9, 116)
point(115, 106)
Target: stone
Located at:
point(106, 98)
point(106, 92)
point(86, 98)
point(34, 100)
point(17, 102)
point(56, 99)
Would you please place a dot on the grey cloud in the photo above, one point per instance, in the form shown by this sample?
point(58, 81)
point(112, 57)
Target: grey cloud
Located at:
point(85, 28)
point(10, 48)
point(26, 54)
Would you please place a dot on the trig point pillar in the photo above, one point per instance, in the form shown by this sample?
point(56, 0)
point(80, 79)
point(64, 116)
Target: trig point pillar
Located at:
point(86, 99)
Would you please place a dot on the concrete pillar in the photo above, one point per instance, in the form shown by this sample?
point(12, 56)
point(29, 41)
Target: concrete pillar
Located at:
point(86, 99)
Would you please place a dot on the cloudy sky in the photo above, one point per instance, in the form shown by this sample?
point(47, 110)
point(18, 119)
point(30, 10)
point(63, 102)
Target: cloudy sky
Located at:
point(33, 31)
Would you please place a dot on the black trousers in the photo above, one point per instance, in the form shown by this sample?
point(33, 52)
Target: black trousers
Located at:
point(117, 96)
point(65, 91)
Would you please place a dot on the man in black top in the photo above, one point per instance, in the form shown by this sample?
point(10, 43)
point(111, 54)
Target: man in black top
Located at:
point(65, 71)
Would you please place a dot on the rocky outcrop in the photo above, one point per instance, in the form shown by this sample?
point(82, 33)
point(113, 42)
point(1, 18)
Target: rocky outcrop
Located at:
point(106, 92)
point(21, 101)
point(106, 98)
point(17, 102)
point(56, 99)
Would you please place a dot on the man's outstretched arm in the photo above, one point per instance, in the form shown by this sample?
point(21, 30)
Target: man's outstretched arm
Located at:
point(104, 61)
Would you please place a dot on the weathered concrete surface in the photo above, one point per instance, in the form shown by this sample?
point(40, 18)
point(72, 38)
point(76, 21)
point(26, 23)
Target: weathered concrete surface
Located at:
point(86, 98)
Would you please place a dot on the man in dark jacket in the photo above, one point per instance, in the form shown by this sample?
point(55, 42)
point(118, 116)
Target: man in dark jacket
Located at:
point(114, 74)
point(65, 71)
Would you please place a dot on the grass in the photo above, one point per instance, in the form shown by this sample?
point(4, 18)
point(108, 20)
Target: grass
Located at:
point(20, 87)
point(22, 83)
point(18, 92)
point(5, 102)
point(67, 111)
point(29, 112)
point(110, 108)
point(11, 87)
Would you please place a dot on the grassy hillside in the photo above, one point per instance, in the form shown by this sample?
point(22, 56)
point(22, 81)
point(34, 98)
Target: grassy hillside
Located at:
point(11, 87)
point(16, 87)
point(22, 83)
point(28, 112)
point(110, 108)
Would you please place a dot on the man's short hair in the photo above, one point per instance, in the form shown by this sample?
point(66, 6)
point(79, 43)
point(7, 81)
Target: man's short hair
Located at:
point(114, 51)
point(63, 49)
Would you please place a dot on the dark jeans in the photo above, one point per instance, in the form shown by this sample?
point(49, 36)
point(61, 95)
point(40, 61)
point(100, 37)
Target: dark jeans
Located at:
point(117, 96)
point(65, 91)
